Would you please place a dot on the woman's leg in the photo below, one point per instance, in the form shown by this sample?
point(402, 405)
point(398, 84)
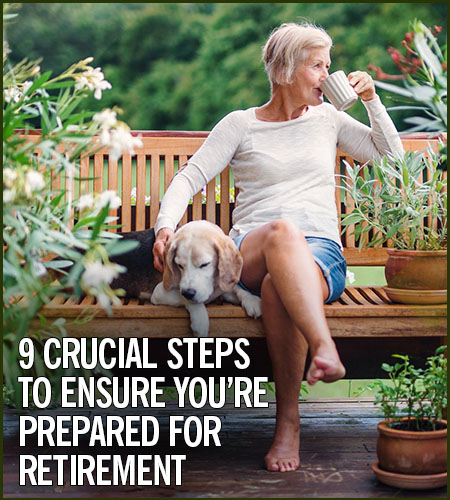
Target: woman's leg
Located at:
point(280, 250)
point(288, 350)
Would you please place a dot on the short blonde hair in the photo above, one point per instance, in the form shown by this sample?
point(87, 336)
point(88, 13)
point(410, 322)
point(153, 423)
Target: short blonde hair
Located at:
point(288, 46)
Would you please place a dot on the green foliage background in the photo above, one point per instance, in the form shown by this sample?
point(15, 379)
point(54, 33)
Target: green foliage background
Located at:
point(182, 66)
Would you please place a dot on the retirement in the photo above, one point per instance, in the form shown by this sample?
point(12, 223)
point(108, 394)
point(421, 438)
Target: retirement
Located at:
point(101, 470)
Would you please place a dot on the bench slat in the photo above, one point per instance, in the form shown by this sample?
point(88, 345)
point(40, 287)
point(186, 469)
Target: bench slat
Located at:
point(355, 305)
point(113, 185)
point(225, 195)
point(182, 159)
point(140, 191)
point(211, 201)
point(154, 188)
point(126, 192)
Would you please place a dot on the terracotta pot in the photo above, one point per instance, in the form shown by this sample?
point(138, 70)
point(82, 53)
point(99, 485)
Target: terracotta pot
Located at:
point(416, 277)
point(411, 452)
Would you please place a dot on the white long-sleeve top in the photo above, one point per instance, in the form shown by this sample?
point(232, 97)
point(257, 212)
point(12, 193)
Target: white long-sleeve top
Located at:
point(282, 169)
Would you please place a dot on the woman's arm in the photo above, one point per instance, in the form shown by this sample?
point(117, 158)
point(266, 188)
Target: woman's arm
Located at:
point(212, 157)
point(367, 143)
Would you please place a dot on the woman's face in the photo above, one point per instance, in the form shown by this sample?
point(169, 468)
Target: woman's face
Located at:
point(310, 75)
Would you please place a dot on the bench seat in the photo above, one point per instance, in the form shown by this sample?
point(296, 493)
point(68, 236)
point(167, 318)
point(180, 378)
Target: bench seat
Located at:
point(360, 312)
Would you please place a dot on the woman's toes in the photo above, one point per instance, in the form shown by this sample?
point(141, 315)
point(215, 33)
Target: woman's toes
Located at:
point(327, 370)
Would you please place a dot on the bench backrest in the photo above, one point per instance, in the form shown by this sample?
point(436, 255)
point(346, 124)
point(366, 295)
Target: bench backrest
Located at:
point(141, 181)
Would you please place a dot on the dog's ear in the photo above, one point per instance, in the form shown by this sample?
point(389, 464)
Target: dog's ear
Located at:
point(229, 263)
point(171, 274)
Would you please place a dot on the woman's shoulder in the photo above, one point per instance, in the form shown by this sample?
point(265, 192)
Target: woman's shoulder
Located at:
point(242, 115)
point(237, 119)
point(326, 109)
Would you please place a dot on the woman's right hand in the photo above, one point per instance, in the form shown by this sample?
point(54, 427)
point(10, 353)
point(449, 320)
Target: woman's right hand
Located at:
point(158, 248)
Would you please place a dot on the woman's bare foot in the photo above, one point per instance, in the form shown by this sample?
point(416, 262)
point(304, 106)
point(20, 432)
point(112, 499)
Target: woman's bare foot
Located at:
point(283, 455)
point(327, 369)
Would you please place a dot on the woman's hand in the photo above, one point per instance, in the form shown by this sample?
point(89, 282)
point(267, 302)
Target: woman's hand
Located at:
point(363, 85)
point(158, 248)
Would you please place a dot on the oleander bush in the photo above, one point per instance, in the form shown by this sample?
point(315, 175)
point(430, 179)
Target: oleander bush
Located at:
point(44, 136)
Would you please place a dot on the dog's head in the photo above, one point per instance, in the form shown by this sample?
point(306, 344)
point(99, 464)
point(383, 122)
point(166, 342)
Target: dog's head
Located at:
point(199, 258)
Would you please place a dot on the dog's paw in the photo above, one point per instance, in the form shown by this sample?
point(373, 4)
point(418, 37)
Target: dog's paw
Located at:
point(252, 305)
point(199, 319)
point(157, 297)
point(200, 326)
point(160, 296)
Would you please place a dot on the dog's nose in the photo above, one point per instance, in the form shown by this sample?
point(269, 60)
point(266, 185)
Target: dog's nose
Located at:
point(188, 293)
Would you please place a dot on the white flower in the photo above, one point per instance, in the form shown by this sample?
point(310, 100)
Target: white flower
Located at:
point(105, 137)
point(39, 268)
point(121, 141)
point(12, 94)
point(411, 212)
point(9, 176)
point(108, 197)
point(103, 300)
point(106, 300)
point(26, 86)
point(350, 276)
point(8, 195)
point(106, 119)
point(34, 181)
point(6, 49)
point(94, 80)
point(59, 125)
point(85, 201)
point(42, 92)
point(97, 274)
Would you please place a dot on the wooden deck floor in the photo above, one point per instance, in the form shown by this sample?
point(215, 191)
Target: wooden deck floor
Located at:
point(337, 448)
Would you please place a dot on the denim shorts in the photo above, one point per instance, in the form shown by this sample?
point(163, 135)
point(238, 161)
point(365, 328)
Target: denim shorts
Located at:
point(328, 256)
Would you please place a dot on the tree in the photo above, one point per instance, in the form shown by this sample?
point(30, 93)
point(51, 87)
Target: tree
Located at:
point(184, 66)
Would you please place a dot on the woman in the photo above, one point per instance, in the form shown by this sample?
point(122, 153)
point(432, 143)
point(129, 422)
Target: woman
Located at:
point(285, 222)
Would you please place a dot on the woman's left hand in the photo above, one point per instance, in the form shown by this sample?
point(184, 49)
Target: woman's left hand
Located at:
point(363, 85)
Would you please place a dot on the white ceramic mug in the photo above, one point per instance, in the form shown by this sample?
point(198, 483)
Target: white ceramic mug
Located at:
point(338, 91)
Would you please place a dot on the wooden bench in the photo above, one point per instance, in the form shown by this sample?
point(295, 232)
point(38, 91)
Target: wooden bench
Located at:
point(367, 327)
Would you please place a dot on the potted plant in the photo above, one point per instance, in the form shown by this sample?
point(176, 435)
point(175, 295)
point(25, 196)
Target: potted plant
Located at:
point(401, 203)
point(412, 438)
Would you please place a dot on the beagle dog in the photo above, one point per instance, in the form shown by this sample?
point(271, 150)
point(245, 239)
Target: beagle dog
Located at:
point(201, 264)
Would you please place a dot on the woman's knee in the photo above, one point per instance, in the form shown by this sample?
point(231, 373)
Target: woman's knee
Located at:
point(281, 232)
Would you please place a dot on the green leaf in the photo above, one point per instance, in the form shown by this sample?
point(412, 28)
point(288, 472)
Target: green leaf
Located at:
point(121, 247)
point(427, 54)
point(60, 85)
point(352, 218)
point(58, 264)
point(100, 221)
point(40, 81)
point(393, 88)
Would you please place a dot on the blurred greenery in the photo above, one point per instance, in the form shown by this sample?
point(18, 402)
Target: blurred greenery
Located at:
point(182, 66)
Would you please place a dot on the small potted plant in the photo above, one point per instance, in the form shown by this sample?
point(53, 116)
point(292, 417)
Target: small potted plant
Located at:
point(401, 203)
point(412, 439)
